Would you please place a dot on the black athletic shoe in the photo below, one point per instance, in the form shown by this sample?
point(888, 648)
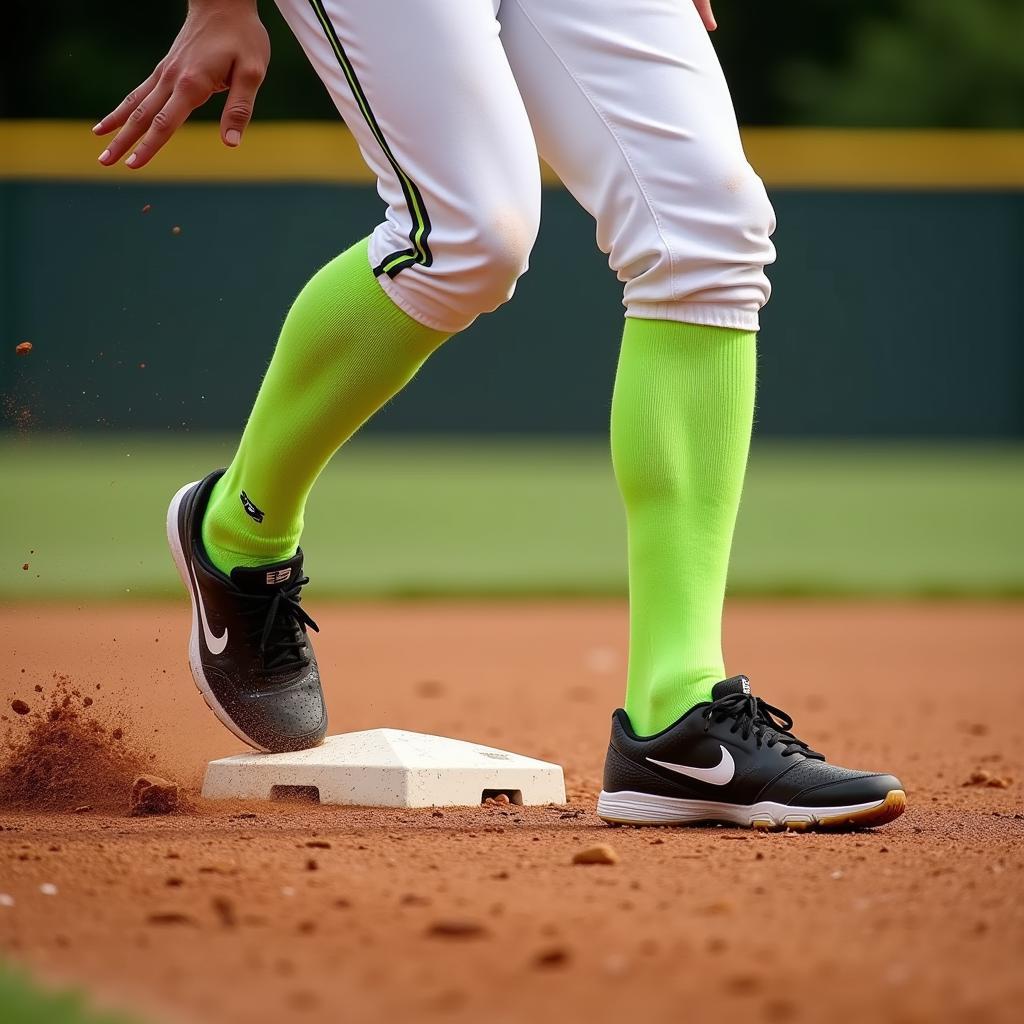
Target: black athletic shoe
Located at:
point(250, 654)
point(735, 760)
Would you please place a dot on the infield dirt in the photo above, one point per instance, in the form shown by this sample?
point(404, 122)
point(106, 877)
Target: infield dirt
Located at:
point(271, 912)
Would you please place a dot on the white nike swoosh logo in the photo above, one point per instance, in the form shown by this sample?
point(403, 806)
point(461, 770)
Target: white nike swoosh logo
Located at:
point(216, 644)
point(720, 775)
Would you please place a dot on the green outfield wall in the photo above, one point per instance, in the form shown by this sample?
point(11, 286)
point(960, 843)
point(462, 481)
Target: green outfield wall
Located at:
point(895, 311)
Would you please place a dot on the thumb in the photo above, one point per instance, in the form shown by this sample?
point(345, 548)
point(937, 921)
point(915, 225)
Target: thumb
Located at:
point(238, 107)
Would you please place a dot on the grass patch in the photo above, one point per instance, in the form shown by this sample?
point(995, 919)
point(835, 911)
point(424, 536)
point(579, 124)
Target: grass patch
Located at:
point(401, 518)
point(22, 1002)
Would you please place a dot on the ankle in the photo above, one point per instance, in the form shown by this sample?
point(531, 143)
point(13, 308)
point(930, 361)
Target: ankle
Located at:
point(230, 542)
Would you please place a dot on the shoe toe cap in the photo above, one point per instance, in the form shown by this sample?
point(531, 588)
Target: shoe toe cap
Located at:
point(857, 788)
point(299, 719)
point(290, 719)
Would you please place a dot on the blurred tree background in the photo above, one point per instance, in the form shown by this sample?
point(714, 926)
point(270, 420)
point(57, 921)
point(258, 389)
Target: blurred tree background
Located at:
point(898, 63)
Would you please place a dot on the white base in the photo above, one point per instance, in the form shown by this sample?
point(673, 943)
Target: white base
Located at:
point(650, 809)
point(389, 768)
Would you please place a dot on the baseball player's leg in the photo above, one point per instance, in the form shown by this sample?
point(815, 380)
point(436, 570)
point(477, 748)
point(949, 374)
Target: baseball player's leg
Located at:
point(427, 91)
point(629, 105)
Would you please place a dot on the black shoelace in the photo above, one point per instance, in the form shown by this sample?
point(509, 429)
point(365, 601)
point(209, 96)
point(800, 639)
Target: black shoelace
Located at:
point(753, 717)
point(281, 636)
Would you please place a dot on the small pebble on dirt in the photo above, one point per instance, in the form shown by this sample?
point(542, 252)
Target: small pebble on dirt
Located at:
point(48, 889)
point(779, 1010)
point(225, 911)
point(19, 707)
point(600, 854)
point(983, 777)
point(743, 984)
point(303, 1000)
point(429, 688)
point(152, 795)
point(456, 928)
point(23, 348)
point(555, 956)
point(221, 868)
point(718, 908)
point(169, 917)
point(6, 900)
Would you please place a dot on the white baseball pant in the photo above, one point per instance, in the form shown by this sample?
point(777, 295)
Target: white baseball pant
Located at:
point(451, 100)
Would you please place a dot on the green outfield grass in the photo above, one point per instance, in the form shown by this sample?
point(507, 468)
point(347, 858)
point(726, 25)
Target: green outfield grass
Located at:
point(23, 1002)
point(435, 517)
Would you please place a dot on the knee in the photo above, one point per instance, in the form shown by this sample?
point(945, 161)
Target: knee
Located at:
point(750, 219)
point(710, 248)
point(495, 253)
point(730, 219)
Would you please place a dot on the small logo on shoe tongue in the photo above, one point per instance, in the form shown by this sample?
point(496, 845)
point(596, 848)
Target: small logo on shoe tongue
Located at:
point(745, 683)
point(250, 509)
point(275, 576)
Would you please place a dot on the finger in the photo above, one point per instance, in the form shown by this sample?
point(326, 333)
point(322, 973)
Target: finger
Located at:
point(707, 15)
point(121, 112)
point(164, 124)
point(238, 107)
point(137, 124)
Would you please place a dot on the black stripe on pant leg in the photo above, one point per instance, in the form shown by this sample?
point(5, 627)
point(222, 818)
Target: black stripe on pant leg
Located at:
point(420, 252)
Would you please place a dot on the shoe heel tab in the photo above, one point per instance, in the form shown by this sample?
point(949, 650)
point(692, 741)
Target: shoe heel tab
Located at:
point(622, 725)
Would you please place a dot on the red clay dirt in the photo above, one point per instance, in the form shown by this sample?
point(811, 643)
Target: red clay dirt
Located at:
point(296, 912)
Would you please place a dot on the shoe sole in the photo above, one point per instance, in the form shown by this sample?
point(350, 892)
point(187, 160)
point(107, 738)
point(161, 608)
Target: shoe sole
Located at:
point(195, 660)
point(649, 809)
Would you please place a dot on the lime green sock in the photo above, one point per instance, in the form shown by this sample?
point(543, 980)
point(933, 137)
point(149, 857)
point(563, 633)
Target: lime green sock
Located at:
point(681, 421)
point(344, 350)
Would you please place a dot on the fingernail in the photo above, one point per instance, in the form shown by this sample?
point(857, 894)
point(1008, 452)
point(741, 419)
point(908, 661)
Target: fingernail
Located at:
point(104, 156)
point(130, 162)
point(96, 127)
point(233, 137)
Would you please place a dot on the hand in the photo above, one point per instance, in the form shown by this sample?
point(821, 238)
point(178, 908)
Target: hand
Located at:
point(706, 14)
point(222, 45)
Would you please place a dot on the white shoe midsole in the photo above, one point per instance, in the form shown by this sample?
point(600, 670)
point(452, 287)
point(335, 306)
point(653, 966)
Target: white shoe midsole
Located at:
point(649, 808)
